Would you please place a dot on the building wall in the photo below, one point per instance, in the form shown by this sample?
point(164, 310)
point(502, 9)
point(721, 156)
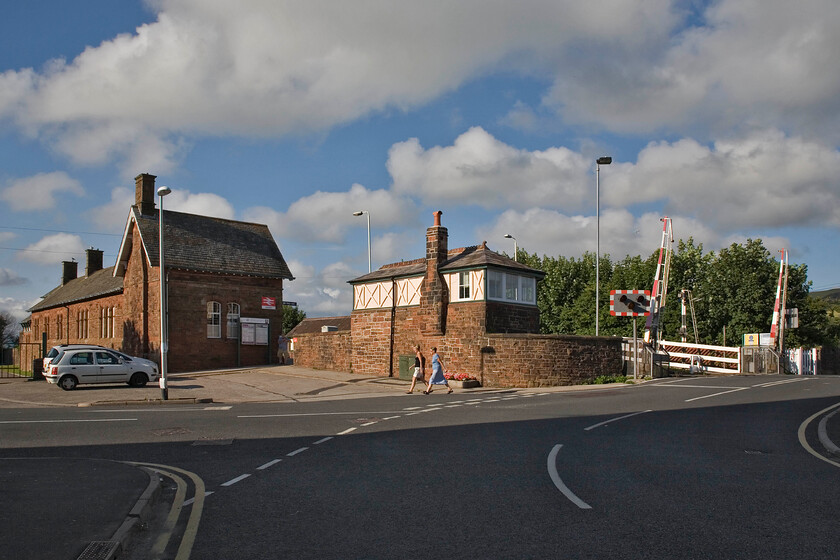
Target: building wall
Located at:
point(141, 296)
point(188, 295)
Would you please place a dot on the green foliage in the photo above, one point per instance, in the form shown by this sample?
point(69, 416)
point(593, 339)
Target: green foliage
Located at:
point(291, 317)
point(732, 290)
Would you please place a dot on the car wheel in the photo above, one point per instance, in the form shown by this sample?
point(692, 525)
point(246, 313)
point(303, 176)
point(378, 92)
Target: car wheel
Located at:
point(68, 382)
point(138, 380)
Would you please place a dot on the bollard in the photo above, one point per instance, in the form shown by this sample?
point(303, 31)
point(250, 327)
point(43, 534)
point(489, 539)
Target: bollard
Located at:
point(37, 369)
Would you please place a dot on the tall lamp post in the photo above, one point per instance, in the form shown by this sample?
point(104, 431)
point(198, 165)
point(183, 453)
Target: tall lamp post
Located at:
point(606, 160)
point(359, 213)
point(515, 246)
point(164, 390)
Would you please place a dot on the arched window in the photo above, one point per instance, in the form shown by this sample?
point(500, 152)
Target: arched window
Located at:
point(214, 319)
point(233, 320)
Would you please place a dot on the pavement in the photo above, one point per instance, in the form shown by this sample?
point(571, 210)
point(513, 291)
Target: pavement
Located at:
point(116, 498)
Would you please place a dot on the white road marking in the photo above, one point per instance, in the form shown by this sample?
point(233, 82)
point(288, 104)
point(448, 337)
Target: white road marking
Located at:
point(75, 421)
point(558, 482)
point(269, 464)
point(233, 481)
point(412, 407)
point(804, 442)
point(296, 451)
point(390, 417)
point(605, 422)
point(368, 424)
point(717, 394)
point(347, 431)
point(319, 414)
point(783, 382)
point(322, 440)
point(217, 408)
point(191, 500)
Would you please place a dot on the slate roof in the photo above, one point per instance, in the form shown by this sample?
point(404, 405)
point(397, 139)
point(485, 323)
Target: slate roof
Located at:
point(311, 326)
point(99, 284)
point(206, 244)
point(477, 256)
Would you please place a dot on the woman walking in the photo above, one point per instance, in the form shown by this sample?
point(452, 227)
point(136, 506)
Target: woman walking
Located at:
point(437, 377)
point(419, 368)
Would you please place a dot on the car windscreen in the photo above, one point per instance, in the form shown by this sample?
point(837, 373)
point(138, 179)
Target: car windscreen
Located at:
point(52, 353)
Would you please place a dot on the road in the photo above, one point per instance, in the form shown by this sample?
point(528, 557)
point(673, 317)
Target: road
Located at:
point(678, 468)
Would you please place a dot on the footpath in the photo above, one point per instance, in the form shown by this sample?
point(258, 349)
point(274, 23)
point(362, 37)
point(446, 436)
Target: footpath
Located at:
point(69, 509)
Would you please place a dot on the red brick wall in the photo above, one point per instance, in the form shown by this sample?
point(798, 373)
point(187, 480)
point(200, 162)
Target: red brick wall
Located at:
point(330, 350)
point(188, 295)
point(47, 321)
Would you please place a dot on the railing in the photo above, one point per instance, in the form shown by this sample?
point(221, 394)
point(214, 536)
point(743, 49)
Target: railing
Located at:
point(702, 357)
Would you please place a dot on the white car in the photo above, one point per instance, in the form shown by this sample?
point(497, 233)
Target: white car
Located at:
point(72, 367)
point(56, 350)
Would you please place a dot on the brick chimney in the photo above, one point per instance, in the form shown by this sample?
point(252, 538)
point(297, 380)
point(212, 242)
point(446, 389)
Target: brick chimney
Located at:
point(144, 193)
point(69, 271)
point(94, 261)
point(434, 296)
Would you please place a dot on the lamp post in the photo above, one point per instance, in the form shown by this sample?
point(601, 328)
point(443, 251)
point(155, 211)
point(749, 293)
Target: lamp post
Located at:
point(606, 160)
point(515, 246)
point(359, 213)
point(164, 390)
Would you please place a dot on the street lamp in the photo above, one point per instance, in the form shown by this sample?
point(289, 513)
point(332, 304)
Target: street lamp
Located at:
point(359, 213)
point(515, 247)
point(606, 160)
point(164, 391)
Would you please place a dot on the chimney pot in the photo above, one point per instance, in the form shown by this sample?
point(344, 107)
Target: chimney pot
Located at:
point(144, 193)
point(69, 271)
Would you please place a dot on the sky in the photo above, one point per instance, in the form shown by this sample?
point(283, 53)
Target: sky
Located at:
point(720, 115)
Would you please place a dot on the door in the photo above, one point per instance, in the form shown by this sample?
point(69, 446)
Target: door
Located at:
point(83, 367)
point(111, 369)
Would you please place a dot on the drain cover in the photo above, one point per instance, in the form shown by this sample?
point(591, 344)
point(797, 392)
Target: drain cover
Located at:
point(100, 550)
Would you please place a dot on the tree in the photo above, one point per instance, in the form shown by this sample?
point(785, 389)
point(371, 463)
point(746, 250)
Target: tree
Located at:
point(291, 317)
point(8, 329)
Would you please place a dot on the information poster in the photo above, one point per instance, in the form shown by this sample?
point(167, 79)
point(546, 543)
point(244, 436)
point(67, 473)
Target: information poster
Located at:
point(254, 331)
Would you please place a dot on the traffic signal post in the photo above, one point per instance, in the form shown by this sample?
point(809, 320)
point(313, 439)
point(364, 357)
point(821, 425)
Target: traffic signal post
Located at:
point(631, 303)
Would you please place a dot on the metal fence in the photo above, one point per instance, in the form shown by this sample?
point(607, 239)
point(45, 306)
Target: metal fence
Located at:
point(17, 361)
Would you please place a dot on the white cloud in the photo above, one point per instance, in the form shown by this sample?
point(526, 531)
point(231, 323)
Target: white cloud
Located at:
point(274, 67)
point(547, 232)
point(17, 308)
point(762, 62)
point(38, 192)
point(112, 216)
point(203, 204)
point(765, 179)
point(9, 277)
point(321, 293)
point(326, 216)
point(53, 249)
point(479, 169)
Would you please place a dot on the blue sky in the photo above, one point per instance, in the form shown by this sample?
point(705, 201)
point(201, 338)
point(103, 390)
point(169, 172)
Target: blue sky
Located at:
point(721, 115)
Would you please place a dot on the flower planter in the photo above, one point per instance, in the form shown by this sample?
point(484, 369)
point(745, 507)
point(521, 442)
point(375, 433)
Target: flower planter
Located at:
point(468, 384)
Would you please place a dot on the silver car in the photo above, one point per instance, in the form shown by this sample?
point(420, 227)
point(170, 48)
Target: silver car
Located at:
point(98, 365)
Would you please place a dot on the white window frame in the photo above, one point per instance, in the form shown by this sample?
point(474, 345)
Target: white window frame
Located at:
point(214, 319)
point(464, 285)
point(233, 314)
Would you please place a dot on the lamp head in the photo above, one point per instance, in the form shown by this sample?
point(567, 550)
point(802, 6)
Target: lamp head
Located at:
point(509, 236)
point(163, 191)
point(606, 160)
point(359, 213)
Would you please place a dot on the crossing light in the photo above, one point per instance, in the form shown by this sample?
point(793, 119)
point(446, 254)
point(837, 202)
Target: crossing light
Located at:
point(629, 303)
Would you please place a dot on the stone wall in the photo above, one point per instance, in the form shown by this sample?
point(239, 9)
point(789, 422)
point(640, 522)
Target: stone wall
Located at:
point(330, 350)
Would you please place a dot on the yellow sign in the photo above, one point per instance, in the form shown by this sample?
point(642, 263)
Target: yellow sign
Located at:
point(751, 339)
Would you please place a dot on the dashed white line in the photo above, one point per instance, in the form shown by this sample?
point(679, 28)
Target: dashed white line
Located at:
point(368, 424)
point(296, 451)
point(233, 481)
point(347, 431)
point(558, 482)
point(390, 417)
point(269, 464)
point(322, 440)
point(191, 500)
point(67, 421)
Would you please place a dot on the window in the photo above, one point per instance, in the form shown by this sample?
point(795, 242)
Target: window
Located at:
point(106, 322)
point(511, 287)
point(82, 324)
point(495, 284)
point(81, 359)
point(505, 286)
point(464, 285)
point(59, 328)
point(214, 319)
point(233, 320)
point(106, 358)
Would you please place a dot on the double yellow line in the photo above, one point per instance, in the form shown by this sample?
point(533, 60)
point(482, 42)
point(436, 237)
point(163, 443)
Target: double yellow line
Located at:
point(188, 539)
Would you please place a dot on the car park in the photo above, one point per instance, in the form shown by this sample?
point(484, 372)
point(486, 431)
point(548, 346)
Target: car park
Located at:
point(75, 366)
